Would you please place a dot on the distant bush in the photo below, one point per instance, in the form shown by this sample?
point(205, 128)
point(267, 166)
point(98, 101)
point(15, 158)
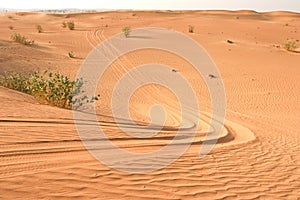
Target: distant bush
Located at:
point(11, 27)
point(290, 45)
point(126, 31)
point(71, 25)
point(21, 39)
point(64, 24)
point(191, 29)
point(39, 28)
point(53, 89)
point(9, 17)
point(71, 54)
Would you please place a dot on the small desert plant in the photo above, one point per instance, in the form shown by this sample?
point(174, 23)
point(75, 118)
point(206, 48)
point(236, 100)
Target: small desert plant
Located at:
point(290, 45)
point(71, 54)
point(126, 31)
point(9, 17)
point(212, 76)
point(133, 14)
point(50, 88)
point(15, 81)
point(39, 28)
point(10, 27)
point(71, 25)
point(191, 29)
point(21, 39)
point(64, 24)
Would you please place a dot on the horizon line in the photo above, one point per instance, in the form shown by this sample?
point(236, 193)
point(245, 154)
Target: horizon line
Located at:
point(113, 9)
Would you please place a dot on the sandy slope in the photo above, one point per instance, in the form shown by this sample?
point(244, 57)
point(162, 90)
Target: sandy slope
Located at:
point(42, 155)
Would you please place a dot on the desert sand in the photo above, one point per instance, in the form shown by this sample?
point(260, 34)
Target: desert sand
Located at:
point(257, 155)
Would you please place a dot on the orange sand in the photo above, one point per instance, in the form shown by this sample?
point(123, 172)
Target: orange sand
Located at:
point(258, 155)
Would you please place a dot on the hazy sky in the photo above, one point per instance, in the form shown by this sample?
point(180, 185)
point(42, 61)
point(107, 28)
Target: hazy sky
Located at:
point(258, 5)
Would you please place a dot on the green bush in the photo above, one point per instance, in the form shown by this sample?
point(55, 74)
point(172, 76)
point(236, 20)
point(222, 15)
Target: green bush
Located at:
point(21, 39)
point(71, 25)
point(49, 88)
point(290, 45)
point(39, 28)
point(15, 81)
point(126, 31)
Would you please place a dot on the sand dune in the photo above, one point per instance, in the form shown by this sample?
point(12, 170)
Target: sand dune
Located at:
point(257, 155)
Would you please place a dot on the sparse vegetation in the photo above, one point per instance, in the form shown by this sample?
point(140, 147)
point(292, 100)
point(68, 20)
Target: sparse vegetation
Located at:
point(21, 39)
point(15, 81)
point(10, 17)
point(290, 45)
point(64, 24)
point(71, 25)
point(230, 42)
point(71, 54)
point(39, 28)
point(126, 31)
point(212, 76)
point(191, 29)
point(49, 88)
point(10, 27)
